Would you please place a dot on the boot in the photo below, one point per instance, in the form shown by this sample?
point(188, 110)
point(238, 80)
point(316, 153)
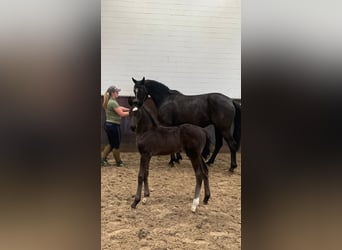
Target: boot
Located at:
point(116, 154)
point(104, 155)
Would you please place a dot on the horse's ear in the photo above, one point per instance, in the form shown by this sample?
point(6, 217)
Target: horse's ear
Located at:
point(130, 100)
point(143, 80)
point(135, 81)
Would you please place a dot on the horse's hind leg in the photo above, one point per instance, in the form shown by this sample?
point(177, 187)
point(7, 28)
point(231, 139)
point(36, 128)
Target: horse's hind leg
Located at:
point(233, 163)
point(218, 145)
point(144, 161)
point(233, 148)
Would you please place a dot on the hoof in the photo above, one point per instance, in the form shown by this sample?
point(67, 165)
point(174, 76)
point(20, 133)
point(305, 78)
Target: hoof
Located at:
point(144, 200)
point(193, 208)
point(231, 170)
point(134, 204)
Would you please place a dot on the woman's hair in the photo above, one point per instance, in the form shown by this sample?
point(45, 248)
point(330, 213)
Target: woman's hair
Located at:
point(108, 94)
point(106, 97)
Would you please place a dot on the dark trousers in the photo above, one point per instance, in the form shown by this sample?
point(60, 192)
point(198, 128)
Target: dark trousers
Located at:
point(113, 133)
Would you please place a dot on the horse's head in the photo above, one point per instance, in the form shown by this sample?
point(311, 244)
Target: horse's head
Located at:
point(134, 113)
point(140, 90)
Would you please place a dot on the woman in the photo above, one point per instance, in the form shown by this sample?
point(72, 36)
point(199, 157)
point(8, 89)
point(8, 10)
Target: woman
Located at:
point(114, 112)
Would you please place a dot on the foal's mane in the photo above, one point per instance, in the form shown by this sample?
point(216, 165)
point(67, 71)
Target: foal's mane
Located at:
point(152, 118)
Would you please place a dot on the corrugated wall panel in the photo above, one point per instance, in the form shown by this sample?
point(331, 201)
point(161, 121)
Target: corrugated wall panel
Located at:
point(192, 46)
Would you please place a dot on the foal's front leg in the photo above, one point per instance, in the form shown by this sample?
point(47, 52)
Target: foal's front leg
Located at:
point(144, 161)
point(146, 187)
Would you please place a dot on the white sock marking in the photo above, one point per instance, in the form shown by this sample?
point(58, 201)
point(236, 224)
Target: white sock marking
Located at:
point(195, 203)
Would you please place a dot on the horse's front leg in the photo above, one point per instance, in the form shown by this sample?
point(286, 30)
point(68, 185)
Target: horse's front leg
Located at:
point(178, 157)
point(144, 161)
point(172, 160)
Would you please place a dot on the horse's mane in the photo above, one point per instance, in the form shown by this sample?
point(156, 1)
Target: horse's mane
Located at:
point(157, 86)
point(158, 91)
point(174, 92)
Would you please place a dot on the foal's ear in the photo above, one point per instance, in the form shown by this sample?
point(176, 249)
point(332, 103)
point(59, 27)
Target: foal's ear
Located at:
point(135, 81)
point(130, 101)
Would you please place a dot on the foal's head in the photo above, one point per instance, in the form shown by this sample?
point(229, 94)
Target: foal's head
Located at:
point(135, 113)
point(140, 117)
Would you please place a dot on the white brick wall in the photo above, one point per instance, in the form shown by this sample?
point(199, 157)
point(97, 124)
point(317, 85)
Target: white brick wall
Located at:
point(189, 45)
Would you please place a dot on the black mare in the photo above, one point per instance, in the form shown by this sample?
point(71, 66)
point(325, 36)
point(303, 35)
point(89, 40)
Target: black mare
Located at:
point(154, 139)
point(174, 109)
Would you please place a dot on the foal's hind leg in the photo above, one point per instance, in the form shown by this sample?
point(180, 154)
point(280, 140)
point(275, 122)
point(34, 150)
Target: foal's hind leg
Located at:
point(206, 183)
point(199, 179)
point(206, 190)
point(195, 202)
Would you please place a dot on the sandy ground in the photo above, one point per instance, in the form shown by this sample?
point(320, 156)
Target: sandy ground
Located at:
point(166, 221)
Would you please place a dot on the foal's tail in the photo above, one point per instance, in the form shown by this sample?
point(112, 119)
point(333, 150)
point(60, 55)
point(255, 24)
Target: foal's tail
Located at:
point(204, 168)
point(206, 150)
point(205, 154)
point(237, 124)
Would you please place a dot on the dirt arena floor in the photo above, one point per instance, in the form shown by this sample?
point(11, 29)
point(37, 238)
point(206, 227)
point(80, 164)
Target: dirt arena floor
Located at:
point(166, 220)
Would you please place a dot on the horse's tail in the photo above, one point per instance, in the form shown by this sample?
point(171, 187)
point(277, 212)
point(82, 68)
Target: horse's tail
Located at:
point(237, 124)
point(206, 150)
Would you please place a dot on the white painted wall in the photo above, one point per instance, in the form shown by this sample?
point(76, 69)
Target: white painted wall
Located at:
point(193, 46)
